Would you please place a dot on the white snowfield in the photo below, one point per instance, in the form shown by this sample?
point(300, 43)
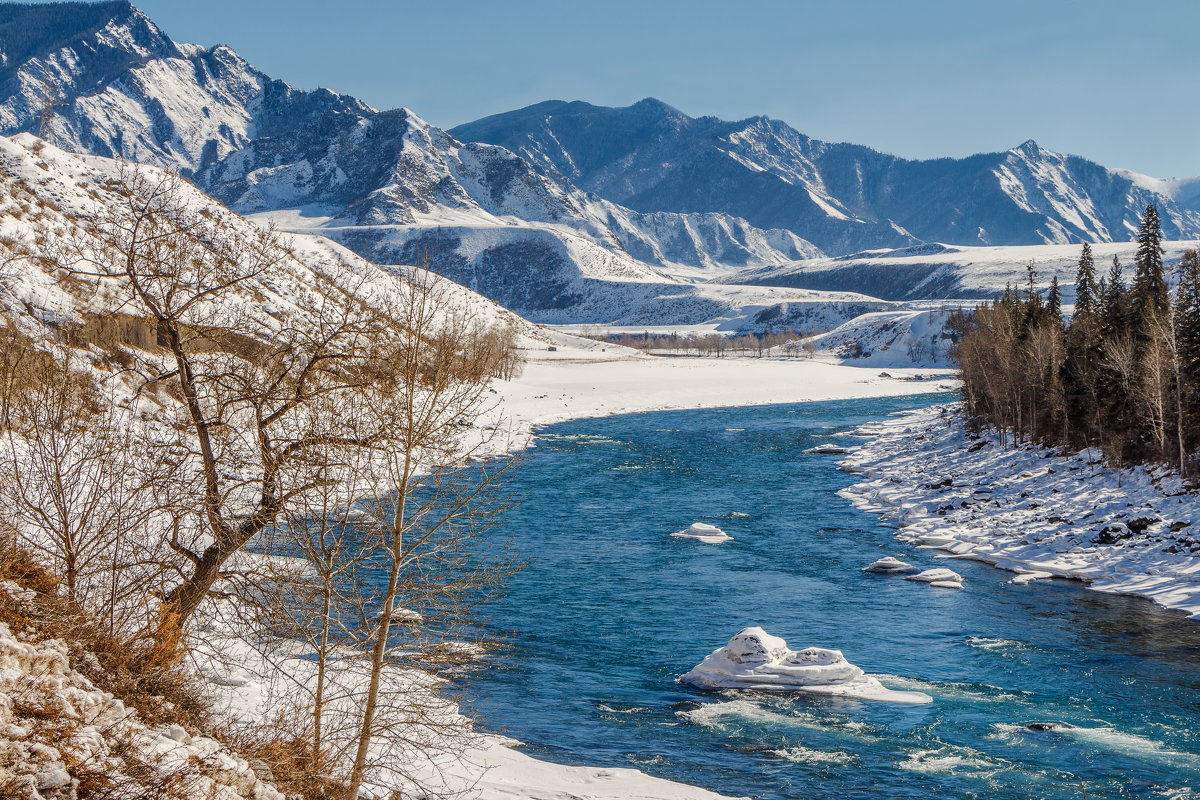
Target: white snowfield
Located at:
point(572, 383)
point(1031, 510)
point(944, 270)
point(754, 659)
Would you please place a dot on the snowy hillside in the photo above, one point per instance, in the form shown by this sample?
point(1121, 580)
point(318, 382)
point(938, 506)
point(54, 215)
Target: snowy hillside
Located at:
point(906, 337)
point(945, 271)
point(842, 197)
point(48, 192)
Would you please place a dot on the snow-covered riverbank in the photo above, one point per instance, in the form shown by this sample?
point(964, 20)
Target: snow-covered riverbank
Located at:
point(574, 383)
point(1031, 511)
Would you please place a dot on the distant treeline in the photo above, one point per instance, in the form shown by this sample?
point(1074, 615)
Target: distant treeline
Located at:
point(1123, 374)
point(715, 345)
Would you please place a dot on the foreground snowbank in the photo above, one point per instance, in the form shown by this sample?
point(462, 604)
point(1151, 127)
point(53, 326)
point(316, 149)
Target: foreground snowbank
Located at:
point(754, 659)
point(1031, 511)
point(440, 755)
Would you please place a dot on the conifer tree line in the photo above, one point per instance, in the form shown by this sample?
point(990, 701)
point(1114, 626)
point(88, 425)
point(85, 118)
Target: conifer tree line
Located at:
point(1122, 374)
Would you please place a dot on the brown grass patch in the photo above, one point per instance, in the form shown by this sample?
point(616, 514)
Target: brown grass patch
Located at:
point(141, 671)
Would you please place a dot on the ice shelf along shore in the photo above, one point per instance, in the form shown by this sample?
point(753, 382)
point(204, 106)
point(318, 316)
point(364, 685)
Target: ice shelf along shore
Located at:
point(1036, 512)
point(754, 659)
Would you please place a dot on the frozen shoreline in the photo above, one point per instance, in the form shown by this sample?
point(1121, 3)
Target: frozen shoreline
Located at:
point(1031, 511)
point(574, 384)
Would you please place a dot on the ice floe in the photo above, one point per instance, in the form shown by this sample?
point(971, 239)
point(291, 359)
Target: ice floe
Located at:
point(754, 659)
point(1025, 576)
point(703, 532)
point(941, 577)
point(890, 565)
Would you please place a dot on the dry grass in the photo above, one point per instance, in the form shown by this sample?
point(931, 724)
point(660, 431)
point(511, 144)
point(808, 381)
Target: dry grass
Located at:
point(141, 671)
point(146, 674)
point(295, 769)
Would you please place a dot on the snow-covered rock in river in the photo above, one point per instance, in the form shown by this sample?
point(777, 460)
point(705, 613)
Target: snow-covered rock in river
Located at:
point(827, 448)
point(703, 532)
point(754, 659)
point(940, 577)
point(890, 565)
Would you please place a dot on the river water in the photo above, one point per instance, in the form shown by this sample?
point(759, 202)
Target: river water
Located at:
point(613, 609)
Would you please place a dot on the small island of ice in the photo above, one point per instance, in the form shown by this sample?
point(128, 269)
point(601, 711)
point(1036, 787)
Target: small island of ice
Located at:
point(754, 659)
point(889, 565)
point(703, 532)
point(940, 577)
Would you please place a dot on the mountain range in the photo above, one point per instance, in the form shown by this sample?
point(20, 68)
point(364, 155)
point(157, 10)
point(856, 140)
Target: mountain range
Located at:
point(564, 212)
point(842, 197)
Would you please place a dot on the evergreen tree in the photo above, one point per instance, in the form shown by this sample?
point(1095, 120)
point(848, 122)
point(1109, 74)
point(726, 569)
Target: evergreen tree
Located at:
point(1113, 317)
point(1187, 320)
point(1054, 301)
point(1150, 296)
point(1032, 309)
point(1087, 292)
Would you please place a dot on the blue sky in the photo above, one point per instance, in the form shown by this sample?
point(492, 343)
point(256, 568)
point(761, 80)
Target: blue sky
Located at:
point(1114, 81)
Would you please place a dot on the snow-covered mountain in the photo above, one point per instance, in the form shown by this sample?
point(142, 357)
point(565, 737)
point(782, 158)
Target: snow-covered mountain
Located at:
point(564, 212)
point(842, 197)
point(119, 86)
point(49, 200)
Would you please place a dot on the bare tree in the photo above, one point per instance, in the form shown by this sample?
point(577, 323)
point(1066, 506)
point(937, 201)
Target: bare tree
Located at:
point(431, 496)
point(80, 492)
point(250, 390)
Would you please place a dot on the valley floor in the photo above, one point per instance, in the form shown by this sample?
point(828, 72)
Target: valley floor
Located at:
point(1030, 510)
point(571, 384)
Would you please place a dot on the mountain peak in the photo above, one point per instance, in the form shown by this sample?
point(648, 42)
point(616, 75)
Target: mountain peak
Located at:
point(647, 103)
